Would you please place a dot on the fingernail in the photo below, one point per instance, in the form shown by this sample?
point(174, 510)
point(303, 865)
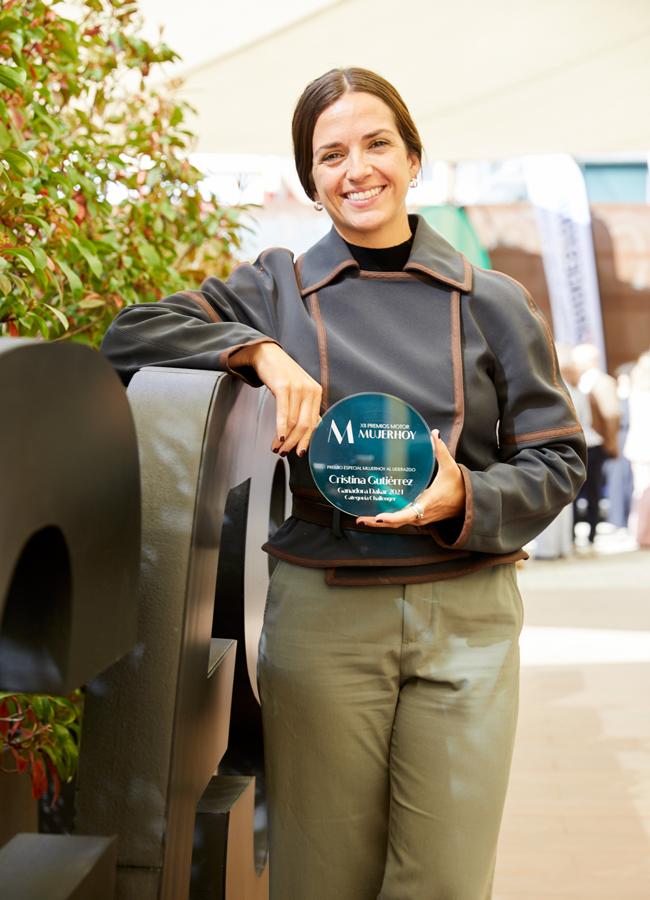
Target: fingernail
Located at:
point(273, 450)
point(282, 438)
point(380, 520)
point(301, 452)
point(283, 453)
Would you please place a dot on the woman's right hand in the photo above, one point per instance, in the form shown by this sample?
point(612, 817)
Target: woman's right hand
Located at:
point(297, 395)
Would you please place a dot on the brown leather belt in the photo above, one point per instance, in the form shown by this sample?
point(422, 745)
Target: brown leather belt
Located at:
point(323, 514)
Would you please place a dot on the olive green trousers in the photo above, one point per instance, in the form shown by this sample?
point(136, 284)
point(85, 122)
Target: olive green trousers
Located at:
point(389, 719)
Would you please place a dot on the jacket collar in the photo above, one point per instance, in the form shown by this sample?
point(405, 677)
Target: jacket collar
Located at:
point(430, 254)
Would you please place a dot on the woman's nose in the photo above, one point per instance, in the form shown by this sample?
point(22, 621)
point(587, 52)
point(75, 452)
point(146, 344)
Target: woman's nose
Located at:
point(358, 166)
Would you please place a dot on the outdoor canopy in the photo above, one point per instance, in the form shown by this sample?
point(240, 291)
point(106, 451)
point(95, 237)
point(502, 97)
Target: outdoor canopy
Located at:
point(482, 80)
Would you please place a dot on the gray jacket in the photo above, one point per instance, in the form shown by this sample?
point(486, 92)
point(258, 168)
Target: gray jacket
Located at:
point(466, 347)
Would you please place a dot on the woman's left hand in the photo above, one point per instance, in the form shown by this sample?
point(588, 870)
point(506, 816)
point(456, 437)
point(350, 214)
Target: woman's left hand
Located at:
point(444, 498)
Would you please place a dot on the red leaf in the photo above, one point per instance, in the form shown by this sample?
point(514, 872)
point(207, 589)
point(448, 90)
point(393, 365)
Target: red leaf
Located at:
point(4, 714)
point(56, 781)
point(14, 726)
point(39, 779)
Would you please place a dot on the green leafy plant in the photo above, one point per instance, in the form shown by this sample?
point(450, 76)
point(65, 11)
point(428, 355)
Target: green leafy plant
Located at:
point(99, 207)
point(40, 735)
point(99, 203)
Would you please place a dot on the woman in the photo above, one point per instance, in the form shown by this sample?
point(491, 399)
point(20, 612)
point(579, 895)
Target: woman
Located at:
point(389, 658)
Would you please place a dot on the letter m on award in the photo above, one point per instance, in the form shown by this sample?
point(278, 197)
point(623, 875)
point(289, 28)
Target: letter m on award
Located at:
point(347, 432)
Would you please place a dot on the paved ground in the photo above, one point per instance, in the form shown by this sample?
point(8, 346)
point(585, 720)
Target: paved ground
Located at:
point(577, 820)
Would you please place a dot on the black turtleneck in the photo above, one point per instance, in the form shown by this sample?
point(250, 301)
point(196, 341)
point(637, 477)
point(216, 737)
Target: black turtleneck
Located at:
point(382, 259)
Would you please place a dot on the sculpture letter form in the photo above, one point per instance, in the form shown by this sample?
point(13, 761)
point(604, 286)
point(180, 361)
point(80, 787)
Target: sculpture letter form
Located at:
point(69, 559)
point(202, 438)
point(157, 720)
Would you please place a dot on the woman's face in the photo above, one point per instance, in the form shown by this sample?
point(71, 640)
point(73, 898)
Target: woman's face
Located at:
point(362, 169)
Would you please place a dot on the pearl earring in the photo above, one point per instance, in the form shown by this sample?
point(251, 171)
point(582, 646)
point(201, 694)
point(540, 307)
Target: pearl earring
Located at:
point(413, 182)
point(318, 206)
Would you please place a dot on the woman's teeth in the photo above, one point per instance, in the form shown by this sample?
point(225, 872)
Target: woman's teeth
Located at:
point(364, 195)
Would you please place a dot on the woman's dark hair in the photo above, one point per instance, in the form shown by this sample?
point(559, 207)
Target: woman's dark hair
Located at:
point(327, 89)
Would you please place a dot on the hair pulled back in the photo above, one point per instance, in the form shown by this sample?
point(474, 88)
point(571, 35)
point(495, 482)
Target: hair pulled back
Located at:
point(322, 92)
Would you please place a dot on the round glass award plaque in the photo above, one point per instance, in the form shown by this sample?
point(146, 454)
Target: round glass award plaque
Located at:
point(371, 453)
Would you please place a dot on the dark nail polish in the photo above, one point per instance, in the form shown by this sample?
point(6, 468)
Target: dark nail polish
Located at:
point(282, 453)
point(380, 520)
point(301, 452)
point(283, 437)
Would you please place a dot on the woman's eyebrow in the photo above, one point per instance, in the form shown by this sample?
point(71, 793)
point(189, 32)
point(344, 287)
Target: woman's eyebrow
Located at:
point(328, 146)
point(373, 134)
point(366, 137)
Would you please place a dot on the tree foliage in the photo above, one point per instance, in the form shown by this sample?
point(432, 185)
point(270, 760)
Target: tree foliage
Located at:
point(40, 735)
point(99, 204)
point(99, 207)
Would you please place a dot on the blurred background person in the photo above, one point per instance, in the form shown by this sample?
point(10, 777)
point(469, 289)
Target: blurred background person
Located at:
point(557, 538)
point(637, 449)
point(618, 471)
point(602, 432)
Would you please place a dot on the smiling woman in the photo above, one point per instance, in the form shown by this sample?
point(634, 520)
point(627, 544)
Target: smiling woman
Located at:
point(361, 172)
point(388, 661)
point(357, 149)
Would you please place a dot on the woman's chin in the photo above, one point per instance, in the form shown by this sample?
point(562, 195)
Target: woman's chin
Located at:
point(371, 226)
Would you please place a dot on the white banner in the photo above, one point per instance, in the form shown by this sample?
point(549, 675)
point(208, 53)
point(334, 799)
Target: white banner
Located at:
point(557, 190)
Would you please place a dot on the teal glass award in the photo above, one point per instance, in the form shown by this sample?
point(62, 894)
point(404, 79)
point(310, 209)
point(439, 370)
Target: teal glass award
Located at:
point(371, 453)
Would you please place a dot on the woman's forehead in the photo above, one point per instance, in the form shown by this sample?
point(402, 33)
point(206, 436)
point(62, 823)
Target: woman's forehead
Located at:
point(354, 114)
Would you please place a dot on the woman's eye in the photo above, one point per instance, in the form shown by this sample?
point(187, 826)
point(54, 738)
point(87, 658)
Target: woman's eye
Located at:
point(331, 156)
point(380, 142)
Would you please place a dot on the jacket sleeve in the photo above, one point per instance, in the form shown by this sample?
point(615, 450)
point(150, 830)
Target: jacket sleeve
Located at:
point(541, 446)
point(196, 329)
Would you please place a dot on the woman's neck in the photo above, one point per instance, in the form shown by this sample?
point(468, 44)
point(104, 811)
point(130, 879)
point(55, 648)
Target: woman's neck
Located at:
point(391, 235)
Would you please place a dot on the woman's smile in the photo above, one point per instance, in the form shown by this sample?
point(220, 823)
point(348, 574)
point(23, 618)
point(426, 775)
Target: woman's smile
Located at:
point(359, 197)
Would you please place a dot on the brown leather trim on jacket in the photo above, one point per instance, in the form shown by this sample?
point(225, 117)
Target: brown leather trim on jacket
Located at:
point(379, 562)
point(457, 366)
point(464, 285)
point(333, 580)
point(346, 264)
point(224, 358)
point(267, 251)
point(541, 435)
point(314, 306)
point(198, 298)
point(387, 276)
point(468, 521)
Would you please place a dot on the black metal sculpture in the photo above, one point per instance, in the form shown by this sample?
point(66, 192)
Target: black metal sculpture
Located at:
point(157, 721)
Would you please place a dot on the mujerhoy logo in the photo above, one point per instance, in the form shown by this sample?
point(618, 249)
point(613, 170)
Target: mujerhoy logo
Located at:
point(347, 432)
point(379, 433)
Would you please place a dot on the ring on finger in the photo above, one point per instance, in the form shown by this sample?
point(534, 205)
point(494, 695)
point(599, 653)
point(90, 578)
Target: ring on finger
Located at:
point(419, 509)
